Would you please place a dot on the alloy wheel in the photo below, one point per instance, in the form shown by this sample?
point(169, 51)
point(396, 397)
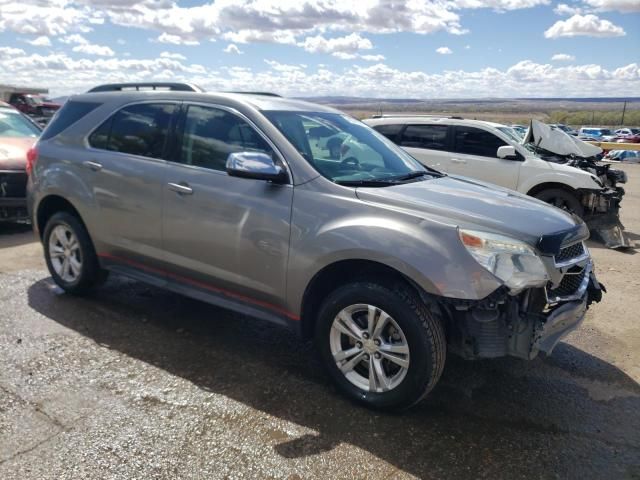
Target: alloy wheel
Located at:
point(65, 254)
point(369, 348)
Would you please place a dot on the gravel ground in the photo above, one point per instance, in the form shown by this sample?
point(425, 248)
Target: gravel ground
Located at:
point(134, 382)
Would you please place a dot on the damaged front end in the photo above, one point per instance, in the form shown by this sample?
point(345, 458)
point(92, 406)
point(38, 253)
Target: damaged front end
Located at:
point(601, 206)
point(532, 321)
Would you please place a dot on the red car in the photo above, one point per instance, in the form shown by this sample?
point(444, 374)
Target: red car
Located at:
point(632, 138)
point(34, 105)
point(18, 133)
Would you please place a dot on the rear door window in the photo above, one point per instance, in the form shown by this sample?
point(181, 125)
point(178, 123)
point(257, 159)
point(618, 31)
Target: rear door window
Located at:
point(210, 134)
point(70, 113)
point(392, 132)
point(433, 137)
point(140, 129)
point(475, 141)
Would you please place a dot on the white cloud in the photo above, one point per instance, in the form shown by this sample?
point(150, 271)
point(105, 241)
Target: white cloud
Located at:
point(564, 9)
point(42, 18)
point(349, 44)
point(372, 58)
point(584, 25)
point(175, 39)
point(64, 75)
point(444, 51)
point(75, 38)
point(90, 49)
point(175, 56)
point(9, 52)
point(625, 6)
point(42, 41)
point(345, 55)
point(242, 21)
point(563, 57)
point(233, 48)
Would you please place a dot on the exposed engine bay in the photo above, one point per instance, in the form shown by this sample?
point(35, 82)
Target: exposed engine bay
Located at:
point(601, 206)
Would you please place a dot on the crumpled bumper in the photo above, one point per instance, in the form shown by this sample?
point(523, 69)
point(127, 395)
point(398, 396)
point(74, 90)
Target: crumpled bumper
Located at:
point(564, 319)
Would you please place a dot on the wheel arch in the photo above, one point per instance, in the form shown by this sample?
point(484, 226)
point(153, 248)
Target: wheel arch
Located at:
point(551, 185)
point(49, 206)
point(340, 273)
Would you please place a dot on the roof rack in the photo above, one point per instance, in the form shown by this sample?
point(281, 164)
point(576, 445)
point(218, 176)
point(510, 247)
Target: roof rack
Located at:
point(119, 87)
point(404, 115)
point(266, 94)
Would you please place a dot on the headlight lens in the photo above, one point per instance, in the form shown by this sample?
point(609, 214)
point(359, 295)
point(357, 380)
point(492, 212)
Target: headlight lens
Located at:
point(512, 261)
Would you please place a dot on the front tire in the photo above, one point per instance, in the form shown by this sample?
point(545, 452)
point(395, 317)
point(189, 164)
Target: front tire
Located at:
point(382, 346)
point(562, 199)
point(69, 254)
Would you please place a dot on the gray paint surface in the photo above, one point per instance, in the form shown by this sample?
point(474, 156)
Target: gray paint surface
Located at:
point(266, 242)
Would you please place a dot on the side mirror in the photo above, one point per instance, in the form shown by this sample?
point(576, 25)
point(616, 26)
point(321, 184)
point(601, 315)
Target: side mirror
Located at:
point(255, 165)
point(507, 152)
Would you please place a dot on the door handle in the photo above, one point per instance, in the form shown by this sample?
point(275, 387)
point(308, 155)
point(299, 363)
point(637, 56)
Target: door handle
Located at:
point(181, 188)
point(458, 160)
point(95, 166)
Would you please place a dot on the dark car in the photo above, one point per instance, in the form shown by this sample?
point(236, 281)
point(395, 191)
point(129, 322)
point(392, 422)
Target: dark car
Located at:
point(34, 105)
point(18, 133)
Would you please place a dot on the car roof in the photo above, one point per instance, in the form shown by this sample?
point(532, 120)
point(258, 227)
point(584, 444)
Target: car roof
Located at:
point(428, 119)
point(264, 102)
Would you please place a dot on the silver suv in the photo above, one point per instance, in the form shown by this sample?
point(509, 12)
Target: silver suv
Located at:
point(241, 201)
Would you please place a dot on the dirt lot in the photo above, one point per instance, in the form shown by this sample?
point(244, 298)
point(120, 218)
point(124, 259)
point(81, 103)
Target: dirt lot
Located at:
point(135, 382)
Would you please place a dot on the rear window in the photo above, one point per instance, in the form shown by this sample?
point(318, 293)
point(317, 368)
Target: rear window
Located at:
point(389, 131)
point(69, 114)
point(433, 137)
point(140, 129)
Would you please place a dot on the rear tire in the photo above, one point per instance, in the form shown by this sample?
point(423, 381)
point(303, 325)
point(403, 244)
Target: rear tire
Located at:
point(397, 338)
point(561, 199)
point(70, 256)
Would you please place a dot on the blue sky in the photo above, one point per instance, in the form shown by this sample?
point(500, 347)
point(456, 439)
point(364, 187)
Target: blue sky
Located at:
point(423, 49)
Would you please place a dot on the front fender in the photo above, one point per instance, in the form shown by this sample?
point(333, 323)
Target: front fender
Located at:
point(428, 253)
point(573, 178)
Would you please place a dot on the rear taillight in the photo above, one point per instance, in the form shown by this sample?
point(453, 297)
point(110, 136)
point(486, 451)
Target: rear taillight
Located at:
point(32, 157)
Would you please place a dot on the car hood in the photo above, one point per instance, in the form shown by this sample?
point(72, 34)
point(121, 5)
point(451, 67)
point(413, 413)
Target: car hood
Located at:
point(556, 141)
point(471, 204)
point(13, 152)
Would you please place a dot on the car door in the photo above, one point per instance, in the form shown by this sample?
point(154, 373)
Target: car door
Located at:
point(125, 166)
point(224, 234)
point(428, 143)
point(474, 155)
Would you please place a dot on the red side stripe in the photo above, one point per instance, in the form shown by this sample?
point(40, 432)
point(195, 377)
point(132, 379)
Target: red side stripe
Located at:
point(203, 285)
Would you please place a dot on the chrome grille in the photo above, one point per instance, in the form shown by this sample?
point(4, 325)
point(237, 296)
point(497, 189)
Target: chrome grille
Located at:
point(568, 253)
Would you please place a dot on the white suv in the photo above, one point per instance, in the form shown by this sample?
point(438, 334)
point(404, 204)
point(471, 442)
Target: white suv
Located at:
point(490, 152)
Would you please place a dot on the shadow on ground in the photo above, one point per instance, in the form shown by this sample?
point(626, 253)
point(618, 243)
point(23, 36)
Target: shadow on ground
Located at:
point(492, 419)
point(14, 234)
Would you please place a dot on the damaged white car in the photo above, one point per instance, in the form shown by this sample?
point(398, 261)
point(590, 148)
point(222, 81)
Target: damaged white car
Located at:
point(547, 164)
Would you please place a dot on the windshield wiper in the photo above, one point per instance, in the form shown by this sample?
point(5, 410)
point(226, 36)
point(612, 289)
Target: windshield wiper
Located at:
point(417, 174)
point(371, 182)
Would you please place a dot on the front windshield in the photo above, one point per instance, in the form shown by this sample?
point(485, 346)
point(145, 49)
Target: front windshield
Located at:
point(13, 124)
point(512, 133)
point(345, 150)
point(37, 99)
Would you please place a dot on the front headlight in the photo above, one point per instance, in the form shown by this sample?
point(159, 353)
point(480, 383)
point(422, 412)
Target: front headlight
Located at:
point(512, 261)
